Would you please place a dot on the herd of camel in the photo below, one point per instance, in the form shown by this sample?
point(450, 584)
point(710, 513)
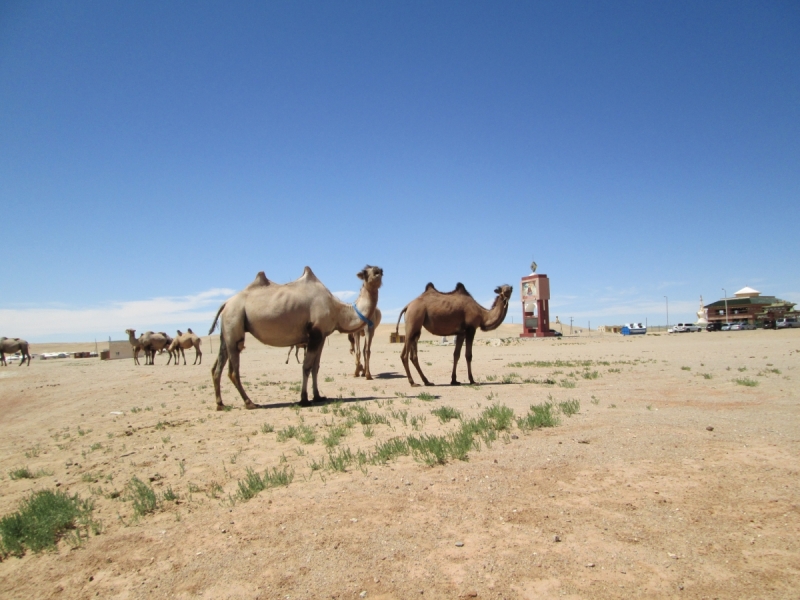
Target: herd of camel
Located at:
point(303, 313)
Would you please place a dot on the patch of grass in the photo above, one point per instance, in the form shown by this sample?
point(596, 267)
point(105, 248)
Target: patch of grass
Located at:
point(590, 375)
point(368, 431)
point(170, 495)
point(595, 401)
point(302, 433)
point(764, 372)
point(267, 428)
point(253, 483)
point(43, 519)
point(613, 370)
point(742, 369)
point(686, 368)
point(491, 378)
point(746, 381)
point(500, 417)
point(446, 413)
point(390, 449)
point(510, 378)
point(425, 396)
point(161, 425)
point(570, 407)
point(400, 415)
point(417, 422)
point(334, 436)
point(36, 450)
point(340, 460)
point(136, 409)
point(364, 417)
point(143, 497)
point(26, 473)
point(567, 383)
point(539, 415)
point(706, 375)
point(328, 379)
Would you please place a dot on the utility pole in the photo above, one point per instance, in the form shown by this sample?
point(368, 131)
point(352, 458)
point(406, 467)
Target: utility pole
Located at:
point(570, 325)
point(667, 299)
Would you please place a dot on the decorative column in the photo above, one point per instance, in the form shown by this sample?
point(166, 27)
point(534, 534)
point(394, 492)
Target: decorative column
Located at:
point(535, 289)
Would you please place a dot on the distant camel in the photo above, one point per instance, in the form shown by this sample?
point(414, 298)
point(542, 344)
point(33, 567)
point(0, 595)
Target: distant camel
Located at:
point(184, 341)
point(296, 349)
point(303, 311)
point(355, 345)
point(136, 344)
point(152, 343)
point(453, 313)
point(12, 346)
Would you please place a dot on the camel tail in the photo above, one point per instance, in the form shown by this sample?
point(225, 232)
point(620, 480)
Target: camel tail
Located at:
point(216, 318)
point(400, 316)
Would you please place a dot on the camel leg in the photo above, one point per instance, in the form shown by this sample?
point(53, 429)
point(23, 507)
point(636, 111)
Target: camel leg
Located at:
point(415, 360)
point(136, 356)
point(233, 374)
point(368, 351)
point(183, 354)
point(456, 356)
point(297, 354)
point(170, 358)
point(311, 365)
point(288, 355)
point(355, 347)
point(216, 371)
point(314, 375)
point(3, 359)
point(198, 356)
point(404, 358)
point(468, 354)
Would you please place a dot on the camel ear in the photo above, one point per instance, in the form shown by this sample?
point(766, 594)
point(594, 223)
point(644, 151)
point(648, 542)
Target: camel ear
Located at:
point(362, 275)
point(498, 290)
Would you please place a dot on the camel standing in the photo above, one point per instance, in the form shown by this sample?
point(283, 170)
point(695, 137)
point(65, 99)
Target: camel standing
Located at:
point(12, 346)
point(184, 341)
point(136, 344)
point(355, 345)
point(296, 349)
point(302, 311)
point(152, 343)
point(453, 313)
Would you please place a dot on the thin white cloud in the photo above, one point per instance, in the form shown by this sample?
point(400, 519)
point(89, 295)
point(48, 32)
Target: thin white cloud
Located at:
point(114, 318)
point(345, 295)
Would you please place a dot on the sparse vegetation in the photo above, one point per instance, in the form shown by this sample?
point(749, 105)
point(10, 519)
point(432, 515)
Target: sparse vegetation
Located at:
point(26, 473)
point(746, 381)
point(142, 496)
point(446, 413)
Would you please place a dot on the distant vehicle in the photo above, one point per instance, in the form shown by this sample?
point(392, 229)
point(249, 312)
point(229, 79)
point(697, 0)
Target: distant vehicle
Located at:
point(715, 326)
point(769, 324)
point(13, 357)
point(633, 329)
point(726, 327)
point(691, 327)
point(683, 328)
point(748, 326)
point(555, 333)
point(786, 323)
point(741, 326)
point(49, 355)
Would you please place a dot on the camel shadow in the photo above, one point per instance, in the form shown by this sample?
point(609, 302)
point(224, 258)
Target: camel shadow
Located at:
point(392, 375)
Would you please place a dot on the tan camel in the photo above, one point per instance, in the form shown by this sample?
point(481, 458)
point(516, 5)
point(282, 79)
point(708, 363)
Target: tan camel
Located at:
point(355, 345)
point(302, 311)
point(136, 344)
point(184, 341)
point(152, 343)
point(296, 349)
point(12, 346)
point(453, 313)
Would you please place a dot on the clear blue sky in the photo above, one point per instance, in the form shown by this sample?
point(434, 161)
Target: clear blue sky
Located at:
point(154, 156)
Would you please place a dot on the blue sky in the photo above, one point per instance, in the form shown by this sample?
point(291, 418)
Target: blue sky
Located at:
point(155, 156)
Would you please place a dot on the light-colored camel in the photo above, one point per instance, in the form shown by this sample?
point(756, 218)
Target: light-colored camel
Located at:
point(296, 349)
point(136, 344)
point(302, 311)
point(355, 345)
point(453, 313)
point(12, 346)
point(184, 341)
point(152, 343)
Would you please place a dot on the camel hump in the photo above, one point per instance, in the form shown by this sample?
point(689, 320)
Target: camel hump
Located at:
point(308, 275)
point(260, 280)
point(461, 289)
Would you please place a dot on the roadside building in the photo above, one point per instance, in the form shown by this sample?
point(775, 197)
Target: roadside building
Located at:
point(119, 349)
point(749, 306)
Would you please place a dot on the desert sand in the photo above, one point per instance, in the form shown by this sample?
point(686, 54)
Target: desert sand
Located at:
point(671, 481)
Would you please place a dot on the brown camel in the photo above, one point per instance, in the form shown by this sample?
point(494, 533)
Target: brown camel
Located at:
point(296, 349)
point(12, 346)
point(136, 344)
point(184, 341)
point(152, 343)
point(303, 311)
point(453, 313)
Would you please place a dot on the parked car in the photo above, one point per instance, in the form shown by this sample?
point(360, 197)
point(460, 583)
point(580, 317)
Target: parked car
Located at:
point(691, 327)
point(748, 326)
point(786, 323)
point(683, 328)
point(555, 333)
point(726, 327)
point(715, 326)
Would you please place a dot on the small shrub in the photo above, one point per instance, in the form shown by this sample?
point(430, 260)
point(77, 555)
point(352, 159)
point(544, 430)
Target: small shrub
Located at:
point(42, 520)
point(566, 383)
point(590, 375)
point(570, 407)
point(746, 381)
point(143, 497)
point(334, 436)
point(170, 495)
point(499, 416)
point(26, 473)
point(707, 375)
point(446, 413)
point(539, 415)
point(686, 368)
point(389, 450)
point(340, 460)
point(267, 428)
point(425, 396)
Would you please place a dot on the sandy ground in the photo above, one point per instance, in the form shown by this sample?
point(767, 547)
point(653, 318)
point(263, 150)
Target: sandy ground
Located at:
point(673, 481)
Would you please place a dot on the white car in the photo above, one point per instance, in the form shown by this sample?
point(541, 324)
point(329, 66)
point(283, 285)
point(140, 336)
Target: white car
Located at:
point(786, 323)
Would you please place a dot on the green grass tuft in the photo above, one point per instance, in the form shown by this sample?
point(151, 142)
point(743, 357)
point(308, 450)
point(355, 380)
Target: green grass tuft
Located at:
point(539, 415)
point(570, 407)
point(42, 520)
point(426, 396)
point(746, 381)
point(143, 497)
point(446, 413)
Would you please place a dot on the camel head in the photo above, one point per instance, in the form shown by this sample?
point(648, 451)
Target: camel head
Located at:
point(131, 332)
point(504, 291)
point(371, 276)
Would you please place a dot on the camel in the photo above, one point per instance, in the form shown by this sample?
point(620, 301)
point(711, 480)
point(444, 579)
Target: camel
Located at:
point(300, 312)
point(136, 344)
point(12, 346)
point(152, 343)
point(453, 313)
point(184, 341)
point(296, 349)
point(355, 345)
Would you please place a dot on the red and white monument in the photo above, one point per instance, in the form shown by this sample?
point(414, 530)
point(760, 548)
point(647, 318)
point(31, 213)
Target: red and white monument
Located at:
point(535, 290)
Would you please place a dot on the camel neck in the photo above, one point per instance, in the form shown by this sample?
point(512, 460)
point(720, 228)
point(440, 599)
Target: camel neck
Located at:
point(495, 315)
